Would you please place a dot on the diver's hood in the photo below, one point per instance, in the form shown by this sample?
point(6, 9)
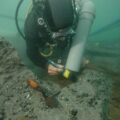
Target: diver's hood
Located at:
point(59, 13)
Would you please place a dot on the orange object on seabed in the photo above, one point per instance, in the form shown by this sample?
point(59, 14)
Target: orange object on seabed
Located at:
point(33, 84)
point(50, 100)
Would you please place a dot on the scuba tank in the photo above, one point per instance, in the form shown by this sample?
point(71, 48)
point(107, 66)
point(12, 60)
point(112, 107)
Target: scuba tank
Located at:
point(57, 20)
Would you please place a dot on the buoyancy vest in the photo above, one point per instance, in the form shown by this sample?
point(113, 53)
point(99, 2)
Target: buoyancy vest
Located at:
point(56, 22)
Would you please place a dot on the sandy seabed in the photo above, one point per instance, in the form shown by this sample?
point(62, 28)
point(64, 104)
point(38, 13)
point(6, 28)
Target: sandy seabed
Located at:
point(85, 99)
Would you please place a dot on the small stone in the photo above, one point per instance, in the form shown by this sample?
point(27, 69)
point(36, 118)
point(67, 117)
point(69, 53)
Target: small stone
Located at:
point(28, 96)
point(74, 112)
point(66, 99)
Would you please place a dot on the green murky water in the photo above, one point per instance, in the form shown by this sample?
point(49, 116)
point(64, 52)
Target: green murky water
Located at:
point(104, 50)
point(103, 47)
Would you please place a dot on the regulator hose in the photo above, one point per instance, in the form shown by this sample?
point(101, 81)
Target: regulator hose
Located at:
point(16, 18)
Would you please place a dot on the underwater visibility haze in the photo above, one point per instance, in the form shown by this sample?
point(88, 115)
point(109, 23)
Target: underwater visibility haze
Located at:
point(102, 50)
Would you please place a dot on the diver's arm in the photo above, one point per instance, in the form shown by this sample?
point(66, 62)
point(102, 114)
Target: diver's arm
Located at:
point(86, 18)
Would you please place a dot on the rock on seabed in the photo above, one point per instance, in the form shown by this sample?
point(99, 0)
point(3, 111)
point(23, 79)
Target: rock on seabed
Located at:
point(86, 99)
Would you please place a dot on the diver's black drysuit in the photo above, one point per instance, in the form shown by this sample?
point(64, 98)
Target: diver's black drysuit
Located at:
point(35, 36)
point(33, 40)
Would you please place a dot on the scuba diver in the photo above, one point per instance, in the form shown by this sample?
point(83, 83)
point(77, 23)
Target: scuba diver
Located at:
point(56, 32)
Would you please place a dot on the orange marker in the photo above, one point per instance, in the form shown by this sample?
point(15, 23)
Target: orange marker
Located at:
point(33, 84)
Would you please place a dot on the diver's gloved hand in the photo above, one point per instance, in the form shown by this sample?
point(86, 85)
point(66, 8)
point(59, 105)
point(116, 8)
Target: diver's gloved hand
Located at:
point(70, 75)
point(54, 68)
